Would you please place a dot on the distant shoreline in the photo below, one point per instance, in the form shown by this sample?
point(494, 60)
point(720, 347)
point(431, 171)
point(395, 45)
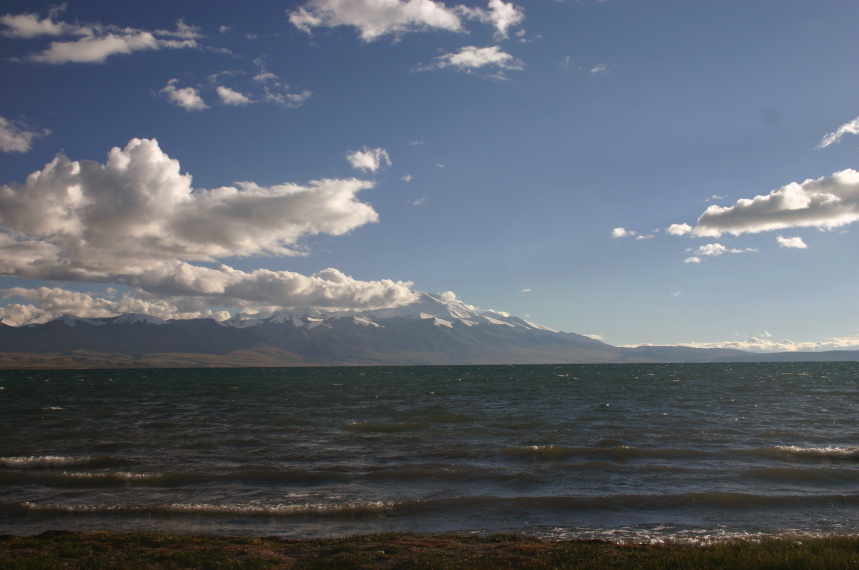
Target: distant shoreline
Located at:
point(67, 549)
point(250, 359)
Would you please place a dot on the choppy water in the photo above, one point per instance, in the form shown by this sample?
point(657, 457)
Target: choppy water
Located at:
point(641, 452)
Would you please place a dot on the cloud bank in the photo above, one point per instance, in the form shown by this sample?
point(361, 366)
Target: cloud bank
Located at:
point(756, 344)
point(826, 203)
point(54, 302)
point(137, 221)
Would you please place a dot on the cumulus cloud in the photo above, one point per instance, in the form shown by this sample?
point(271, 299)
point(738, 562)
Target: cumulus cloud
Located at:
point(94, 43)
point(679, 229)
point(186, 97)
point(368, 159)
point(376, 18)
point(828, 202)
point(230, 97)
point(692, 259)
point(470, 58)
point(137, 221)
point(847, 128)
point(17, 137)
point(794, 242)
point(621, 232)
point(500, 15)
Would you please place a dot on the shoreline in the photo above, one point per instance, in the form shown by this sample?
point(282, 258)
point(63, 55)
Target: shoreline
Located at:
point(71, 549)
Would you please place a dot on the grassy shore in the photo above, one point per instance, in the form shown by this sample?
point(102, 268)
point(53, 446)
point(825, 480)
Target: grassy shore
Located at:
point(97, 550)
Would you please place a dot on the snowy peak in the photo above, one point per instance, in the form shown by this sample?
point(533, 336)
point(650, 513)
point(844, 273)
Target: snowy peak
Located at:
point(441, 311)
point(72, 321)
point(132, 318)
point(430, 305)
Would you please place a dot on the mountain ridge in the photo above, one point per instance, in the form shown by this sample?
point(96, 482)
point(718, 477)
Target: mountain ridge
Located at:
point(431, 331)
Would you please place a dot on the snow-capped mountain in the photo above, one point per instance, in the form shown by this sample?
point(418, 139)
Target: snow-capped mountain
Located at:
point(440, 312)
point(431, 330)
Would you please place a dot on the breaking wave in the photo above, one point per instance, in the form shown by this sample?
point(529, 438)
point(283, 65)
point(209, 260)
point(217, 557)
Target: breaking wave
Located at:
point(59, 461)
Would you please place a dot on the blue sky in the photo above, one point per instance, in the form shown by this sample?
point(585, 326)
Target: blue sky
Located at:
point(551, 159)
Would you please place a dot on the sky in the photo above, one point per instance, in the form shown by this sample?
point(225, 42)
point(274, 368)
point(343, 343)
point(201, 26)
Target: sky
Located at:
point(643, 172)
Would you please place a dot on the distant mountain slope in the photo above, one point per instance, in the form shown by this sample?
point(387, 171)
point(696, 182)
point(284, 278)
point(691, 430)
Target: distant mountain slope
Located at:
point(429, 331)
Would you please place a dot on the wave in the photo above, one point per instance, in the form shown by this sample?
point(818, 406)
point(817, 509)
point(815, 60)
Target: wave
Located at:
point(370, 427)
point(730, 501)
point(619, 453)
point(804, 475)
point(794, 452)
point(251, 510)
point(59, 461)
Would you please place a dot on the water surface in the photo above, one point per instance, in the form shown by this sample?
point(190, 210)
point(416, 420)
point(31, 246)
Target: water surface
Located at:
point(641, 452)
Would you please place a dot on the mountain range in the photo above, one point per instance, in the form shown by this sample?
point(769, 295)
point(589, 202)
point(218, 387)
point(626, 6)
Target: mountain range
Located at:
point(430, 331)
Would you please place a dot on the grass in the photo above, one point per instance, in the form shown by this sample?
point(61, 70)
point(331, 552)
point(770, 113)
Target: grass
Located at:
point(101, 550)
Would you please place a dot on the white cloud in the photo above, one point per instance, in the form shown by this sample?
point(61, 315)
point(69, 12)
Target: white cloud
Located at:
point(186, 97)
point(137, 221)
point(847, 128)
point(717, 249)
point(368, 159)
point(828, 202)
point(95, 42)
point(406, 178)
point(526, 290)
point(794, 242)
point(755, 344)
point(500, 15)
point(31, 26)
point(416, 143)
point(230, 97)
point(470, 58)
point(54, 302)
point(596, 336)
point(376, 18)
point(183, 31)
point(679, 229)
point(621, 232)
point(692, 260)
point(93, 49)
point(271, 89)
point(648, 236)
point(450, 297)
point(598, 68)
point(419, 201)
point(17, 137)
